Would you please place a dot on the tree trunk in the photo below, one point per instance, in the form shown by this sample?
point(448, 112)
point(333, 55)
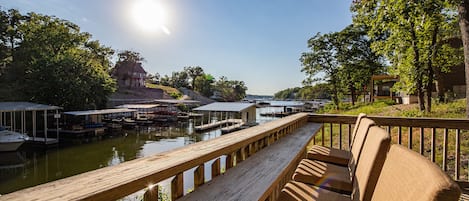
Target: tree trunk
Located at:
point(464, 25)
point(418, 68)
point(430, 70)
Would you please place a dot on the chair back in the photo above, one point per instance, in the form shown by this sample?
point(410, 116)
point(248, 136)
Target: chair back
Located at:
point(408, 176)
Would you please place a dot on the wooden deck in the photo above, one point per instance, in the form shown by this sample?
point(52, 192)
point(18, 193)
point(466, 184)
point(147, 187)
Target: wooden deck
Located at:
point(252, 178)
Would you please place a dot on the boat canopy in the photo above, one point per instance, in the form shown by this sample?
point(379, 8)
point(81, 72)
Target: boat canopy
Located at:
point(25, 106)
point(225, 107)
point(97, 112)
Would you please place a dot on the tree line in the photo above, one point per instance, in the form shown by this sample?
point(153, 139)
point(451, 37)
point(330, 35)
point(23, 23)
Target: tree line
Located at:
point(195, 78)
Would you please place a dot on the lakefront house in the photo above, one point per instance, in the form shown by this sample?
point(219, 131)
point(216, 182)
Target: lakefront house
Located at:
point(130, 75)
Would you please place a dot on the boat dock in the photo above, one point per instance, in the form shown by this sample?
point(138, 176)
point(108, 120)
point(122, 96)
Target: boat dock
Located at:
point(228, 116)
point(222, 123)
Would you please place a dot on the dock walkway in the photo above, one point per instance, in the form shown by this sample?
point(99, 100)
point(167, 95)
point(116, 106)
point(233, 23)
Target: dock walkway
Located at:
point(217, 124)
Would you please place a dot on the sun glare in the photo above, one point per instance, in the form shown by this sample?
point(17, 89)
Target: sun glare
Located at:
point(149, 16)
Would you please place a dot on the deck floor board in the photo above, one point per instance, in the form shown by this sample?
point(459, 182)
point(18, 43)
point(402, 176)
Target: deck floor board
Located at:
point(250, 179)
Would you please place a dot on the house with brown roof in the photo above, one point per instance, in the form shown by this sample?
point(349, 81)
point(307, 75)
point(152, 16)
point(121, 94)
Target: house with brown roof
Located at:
point(130, 75)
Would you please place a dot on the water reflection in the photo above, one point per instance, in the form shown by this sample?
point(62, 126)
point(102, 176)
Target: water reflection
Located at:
point(30, 167)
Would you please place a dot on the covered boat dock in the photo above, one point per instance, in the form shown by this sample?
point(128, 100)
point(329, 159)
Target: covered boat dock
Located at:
point(92, 122)
point(229, 116)
point(26, 117)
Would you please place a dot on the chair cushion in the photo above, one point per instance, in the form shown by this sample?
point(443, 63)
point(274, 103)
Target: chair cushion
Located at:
point(330, 155)
point(324, 175)
point(300, 191)
point(406, 175)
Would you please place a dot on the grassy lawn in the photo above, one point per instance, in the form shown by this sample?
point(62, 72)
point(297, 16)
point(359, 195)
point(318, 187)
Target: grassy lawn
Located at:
point(173, 92)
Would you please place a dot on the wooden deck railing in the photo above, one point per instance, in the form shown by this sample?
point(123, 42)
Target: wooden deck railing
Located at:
point(444, 141)
point(118, 181)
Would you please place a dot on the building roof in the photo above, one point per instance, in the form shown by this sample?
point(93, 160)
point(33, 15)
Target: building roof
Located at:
point(25, 106)
point(225, 107)
point(128, 68)
point(138, 106)
point(174, 101)
point(96, 112)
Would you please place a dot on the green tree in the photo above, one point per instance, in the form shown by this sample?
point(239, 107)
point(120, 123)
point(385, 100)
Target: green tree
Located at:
point(321, 64)
point(415, 31)
point(54, 63)
point(230, 90)
point(204, 84)
point(194, 72)
point(358, 61)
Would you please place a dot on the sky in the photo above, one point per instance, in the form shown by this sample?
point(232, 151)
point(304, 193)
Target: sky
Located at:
point(255, 41)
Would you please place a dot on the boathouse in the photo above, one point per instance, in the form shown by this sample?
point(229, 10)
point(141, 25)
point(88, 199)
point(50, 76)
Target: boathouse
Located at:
point(93, 122)
point(244, 111)
point(30, 118)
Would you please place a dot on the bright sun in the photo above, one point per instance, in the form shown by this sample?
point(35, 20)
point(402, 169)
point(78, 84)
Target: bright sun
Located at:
point(149, 16)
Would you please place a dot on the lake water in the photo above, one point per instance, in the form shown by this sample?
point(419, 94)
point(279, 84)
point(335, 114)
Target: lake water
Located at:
point(29, 167)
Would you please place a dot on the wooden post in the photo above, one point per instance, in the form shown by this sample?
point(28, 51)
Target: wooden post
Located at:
point(458, 155)
point(331, 139)
point(177, 187)
point(399, 135)
point(199, 176)
point(422, 147)
point(349, 136)
point(229, 161)
point(340, 136)
point(57, 133)
point(322, 134)
point(409, 145)
point(433, 144)
point(216, 168)
point(151, 194)
point(445, 150)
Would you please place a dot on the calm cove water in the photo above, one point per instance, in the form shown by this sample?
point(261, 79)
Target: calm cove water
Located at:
point(29, 167)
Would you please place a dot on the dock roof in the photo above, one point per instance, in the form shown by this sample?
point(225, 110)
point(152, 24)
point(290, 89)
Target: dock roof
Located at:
point(138, 106)
point(25, 106)
point(96, 112)
point(225, 107)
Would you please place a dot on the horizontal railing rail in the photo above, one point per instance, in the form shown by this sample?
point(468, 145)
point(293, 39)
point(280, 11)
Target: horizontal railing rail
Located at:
point(115, 182)
point(444, 141)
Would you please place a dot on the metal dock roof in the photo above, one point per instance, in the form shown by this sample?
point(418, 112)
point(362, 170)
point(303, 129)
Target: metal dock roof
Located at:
point(138, 106)
point(96, 112)
point(25, 106)
point(225, 107)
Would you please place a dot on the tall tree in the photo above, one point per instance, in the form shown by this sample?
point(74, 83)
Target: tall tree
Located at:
point(194, 72)
point(463, 10)
point(54, 63)
point(323, 60)
point(413, 31)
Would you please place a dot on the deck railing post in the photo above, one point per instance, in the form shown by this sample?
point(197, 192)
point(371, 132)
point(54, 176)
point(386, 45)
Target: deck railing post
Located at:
point(399, 135)
point(410, 138)
point(216, 168)
point(322, 134)
point(433, 144)
point(340, 135)
point(422, 139)
point(445, 150)
point(177, 187)
point(151, 194)
point(331, 138)
point(458, 155)
point(349, 136)
point(199, 176)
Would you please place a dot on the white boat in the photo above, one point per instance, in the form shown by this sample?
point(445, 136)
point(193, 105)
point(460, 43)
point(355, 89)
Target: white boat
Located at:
point(11, 141)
